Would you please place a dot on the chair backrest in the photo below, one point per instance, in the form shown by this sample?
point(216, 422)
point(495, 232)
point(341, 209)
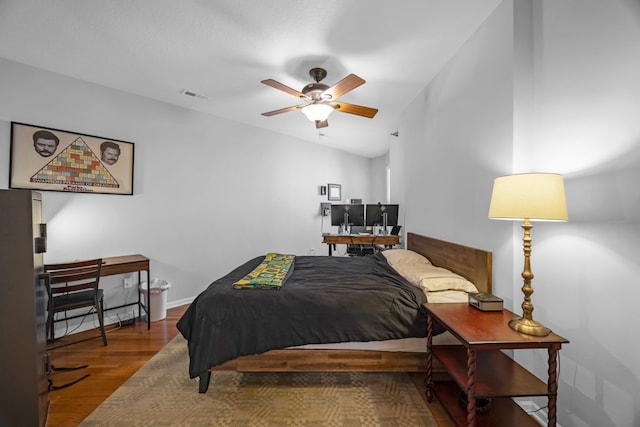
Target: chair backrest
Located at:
point(357, 229)
point(73, 276)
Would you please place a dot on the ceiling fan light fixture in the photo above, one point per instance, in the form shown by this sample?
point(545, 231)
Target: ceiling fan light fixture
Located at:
point(317, 112)
point(320, 99)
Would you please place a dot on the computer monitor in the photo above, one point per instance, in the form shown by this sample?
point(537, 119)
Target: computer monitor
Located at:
point(347, 215)
point(375, 214)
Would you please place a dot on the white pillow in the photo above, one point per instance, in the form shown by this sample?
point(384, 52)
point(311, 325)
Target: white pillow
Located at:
point(436, 279)
point(399, 257)
point(430, 278)
point(447, 296)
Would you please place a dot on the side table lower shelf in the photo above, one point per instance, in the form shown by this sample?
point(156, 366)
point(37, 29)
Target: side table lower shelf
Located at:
point(503, 411)
point(496, 375)
point(479, 366)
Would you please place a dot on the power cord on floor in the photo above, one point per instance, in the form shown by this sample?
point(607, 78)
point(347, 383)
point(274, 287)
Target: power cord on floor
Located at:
point(68, 331)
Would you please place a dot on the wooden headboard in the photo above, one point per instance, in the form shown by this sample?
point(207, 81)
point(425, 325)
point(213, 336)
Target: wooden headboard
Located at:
point(472, 264)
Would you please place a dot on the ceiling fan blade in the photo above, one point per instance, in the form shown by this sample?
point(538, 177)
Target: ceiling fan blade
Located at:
point(284, 88)
point(322, 123)
point(358, 110)
point(343, 86)
point(282, 110)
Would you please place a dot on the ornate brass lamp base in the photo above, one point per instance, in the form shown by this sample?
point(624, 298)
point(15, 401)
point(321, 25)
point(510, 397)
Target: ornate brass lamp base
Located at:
point(529, 327)
point(526, 324)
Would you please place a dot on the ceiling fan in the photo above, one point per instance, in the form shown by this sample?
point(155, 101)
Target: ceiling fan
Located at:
point(321, 98)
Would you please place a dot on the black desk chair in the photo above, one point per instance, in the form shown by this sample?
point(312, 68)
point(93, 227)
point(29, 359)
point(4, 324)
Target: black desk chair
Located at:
point(74, 285)
point(360, 250)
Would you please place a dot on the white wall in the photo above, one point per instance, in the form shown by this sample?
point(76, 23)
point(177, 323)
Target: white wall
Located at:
point(559, 93)
point(209, 194)
point(585, 110)
point(379, 179)
point(455, 138)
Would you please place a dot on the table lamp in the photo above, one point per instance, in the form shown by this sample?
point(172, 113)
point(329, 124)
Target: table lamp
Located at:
point(528, 197)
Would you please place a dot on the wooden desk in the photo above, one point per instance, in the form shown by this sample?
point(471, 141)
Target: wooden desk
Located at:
point(112, 266)
point(482, 370)
point(360, 239)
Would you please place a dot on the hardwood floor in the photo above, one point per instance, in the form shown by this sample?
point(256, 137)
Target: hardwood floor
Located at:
point(438, 412)
point(129, 348)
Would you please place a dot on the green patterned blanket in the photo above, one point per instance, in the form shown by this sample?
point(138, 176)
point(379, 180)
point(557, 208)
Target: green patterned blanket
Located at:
point(270, 274)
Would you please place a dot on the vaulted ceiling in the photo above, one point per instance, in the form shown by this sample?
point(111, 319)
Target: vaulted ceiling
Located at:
point(222, 49)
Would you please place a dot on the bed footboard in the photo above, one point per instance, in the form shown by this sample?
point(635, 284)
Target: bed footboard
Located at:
point(291, 360)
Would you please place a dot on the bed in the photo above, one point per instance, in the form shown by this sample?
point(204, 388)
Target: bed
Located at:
point(325, 339)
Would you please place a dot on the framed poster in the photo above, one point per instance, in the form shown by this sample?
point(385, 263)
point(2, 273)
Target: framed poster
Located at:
point(58, 160)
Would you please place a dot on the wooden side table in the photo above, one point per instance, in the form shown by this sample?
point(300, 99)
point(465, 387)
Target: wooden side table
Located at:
point(481, 370)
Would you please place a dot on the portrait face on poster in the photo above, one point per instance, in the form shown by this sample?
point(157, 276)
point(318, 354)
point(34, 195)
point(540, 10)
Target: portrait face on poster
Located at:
point(57, 160)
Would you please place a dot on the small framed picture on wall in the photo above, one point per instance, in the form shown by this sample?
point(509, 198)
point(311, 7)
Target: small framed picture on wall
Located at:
point(334, 192)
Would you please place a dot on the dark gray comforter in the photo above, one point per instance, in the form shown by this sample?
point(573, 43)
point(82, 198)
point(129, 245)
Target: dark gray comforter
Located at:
point(324, 300)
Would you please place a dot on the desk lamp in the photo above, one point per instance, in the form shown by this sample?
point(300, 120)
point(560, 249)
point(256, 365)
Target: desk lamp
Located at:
point(528, 197)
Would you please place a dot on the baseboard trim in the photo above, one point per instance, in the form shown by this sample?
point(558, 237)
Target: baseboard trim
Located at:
point(180, 302)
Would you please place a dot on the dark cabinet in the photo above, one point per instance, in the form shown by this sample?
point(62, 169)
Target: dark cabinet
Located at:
point(24, 399)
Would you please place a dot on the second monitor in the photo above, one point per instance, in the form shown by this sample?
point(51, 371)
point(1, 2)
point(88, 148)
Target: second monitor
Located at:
point(376, 215)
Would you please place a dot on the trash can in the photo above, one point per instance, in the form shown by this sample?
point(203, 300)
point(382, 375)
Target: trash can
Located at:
point(157, 298)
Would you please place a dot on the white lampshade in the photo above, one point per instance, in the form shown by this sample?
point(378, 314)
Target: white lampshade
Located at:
point(533, 196)
point(317, 111)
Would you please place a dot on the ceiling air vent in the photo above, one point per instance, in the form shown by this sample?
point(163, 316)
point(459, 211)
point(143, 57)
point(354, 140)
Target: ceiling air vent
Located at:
point(193, 94)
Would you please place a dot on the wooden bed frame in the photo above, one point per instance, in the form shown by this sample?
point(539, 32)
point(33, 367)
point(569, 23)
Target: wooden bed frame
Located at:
point(473, 264)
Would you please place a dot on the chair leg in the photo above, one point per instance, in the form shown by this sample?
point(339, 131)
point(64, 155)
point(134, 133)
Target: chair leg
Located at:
point(100, 309)
point(50, 325)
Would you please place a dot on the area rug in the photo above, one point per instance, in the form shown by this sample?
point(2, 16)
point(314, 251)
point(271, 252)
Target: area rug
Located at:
point(161, 394)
